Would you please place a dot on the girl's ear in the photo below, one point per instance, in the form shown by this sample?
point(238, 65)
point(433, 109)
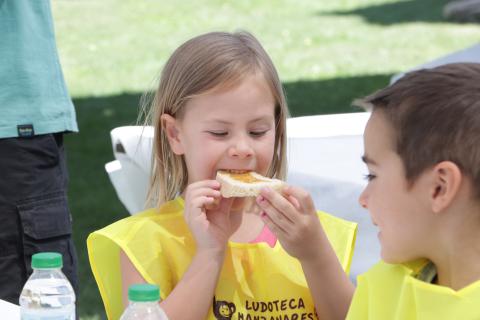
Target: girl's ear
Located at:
point(170, 126)
point(447, 179)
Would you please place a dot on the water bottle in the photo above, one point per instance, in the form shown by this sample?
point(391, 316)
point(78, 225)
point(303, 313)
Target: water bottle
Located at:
point(143, 303)
point(47, 294)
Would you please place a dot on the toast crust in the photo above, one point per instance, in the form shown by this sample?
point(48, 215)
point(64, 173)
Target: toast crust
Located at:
point(246, 184)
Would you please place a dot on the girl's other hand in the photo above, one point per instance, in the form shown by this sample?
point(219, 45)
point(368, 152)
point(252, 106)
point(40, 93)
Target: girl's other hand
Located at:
point(292, 217)
point(207, 214)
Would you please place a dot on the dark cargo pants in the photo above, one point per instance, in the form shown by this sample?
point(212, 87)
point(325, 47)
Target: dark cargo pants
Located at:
point(34, 213)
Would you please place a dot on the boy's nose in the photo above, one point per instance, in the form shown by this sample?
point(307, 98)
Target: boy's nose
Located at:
point(362, 199)
point(241, 149)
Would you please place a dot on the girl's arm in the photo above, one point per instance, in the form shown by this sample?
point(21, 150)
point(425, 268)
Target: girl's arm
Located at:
point(130, 276)
point(329, 285)
point(192, 296)
point(293, 218)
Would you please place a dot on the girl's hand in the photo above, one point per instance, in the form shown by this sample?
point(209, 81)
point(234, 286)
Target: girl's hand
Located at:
point(207, 214)
point(292, 217)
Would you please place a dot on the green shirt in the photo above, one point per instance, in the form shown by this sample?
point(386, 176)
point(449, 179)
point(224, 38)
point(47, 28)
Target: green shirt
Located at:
point(33, 95)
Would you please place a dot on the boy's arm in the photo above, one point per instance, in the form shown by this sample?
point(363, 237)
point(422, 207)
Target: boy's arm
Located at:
point(193, 295)
point(293, 218)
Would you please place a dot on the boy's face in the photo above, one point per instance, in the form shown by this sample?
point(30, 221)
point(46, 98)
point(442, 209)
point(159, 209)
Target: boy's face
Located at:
point(399, 210)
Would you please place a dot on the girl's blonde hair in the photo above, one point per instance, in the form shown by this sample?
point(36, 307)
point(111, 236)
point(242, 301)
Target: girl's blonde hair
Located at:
point(208, 62)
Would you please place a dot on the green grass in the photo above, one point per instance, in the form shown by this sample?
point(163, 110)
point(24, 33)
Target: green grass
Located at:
point(327, 53)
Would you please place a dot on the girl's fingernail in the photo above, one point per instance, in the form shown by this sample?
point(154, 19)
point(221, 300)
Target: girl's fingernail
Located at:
point(263, 214)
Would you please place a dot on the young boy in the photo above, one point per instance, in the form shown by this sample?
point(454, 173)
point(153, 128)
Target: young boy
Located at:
point(422, 150)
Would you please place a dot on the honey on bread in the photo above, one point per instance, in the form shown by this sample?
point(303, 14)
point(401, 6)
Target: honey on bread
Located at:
point(245, 177)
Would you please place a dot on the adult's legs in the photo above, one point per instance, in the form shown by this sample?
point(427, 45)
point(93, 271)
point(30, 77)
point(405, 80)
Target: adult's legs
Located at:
point(34, 213)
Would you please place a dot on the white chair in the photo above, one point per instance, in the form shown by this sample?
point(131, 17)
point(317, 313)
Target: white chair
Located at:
point(323, 155)
point(129, 173)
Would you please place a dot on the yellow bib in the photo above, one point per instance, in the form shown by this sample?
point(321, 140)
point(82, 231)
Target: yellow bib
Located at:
point(389, 291)
point(256, 281)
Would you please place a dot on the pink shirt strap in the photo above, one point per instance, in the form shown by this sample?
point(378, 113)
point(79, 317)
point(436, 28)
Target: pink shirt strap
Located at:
point(266, 236)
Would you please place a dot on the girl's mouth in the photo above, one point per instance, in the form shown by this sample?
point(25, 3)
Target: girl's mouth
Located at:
point(235, 171)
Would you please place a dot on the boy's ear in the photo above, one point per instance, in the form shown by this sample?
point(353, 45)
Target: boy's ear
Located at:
point(171, 127)
point(447, 179)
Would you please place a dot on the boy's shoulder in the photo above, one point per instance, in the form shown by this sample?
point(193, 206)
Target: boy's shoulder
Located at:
point(396, 288)
point(383, 269)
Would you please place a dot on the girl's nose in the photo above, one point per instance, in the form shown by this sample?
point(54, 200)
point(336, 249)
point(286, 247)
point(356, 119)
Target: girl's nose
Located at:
point(363, 199)
point(241, 149)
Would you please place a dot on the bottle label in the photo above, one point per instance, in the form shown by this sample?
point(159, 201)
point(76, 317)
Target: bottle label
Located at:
point(52, 314)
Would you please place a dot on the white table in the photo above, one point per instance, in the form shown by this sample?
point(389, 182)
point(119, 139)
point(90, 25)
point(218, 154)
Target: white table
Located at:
point(9, 311)
point(328, 146)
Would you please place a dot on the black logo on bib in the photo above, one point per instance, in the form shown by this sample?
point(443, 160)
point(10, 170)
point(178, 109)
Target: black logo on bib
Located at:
point(223, 310)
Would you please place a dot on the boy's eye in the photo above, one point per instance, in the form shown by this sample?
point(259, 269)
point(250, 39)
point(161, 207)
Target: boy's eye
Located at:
point(258, 133)
point(369, 177)
point(218, 133)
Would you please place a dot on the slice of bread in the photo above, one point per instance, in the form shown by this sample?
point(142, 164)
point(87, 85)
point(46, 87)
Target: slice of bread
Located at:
point(246, 184)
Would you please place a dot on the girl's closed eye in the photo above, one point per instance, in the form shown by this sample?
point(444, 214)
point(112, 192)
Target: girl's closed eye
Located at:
point(369, 177)
point(258, 133)
point(218, 133)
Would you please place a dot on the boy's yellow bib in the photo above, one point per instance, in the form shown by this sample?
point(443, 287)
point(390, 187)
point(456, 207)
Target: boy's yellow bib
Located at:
point(392, 292)
point(256, 282)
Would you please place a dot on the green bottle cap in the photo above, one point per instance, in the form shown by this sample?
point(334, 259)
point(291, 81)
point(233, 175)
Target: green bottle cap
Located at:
point(47, 260)
point(143, 292)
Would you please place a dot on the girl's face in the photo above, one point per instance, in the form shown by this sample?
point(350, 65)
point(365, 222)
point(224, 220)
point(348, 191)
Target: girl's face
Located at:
point(230, 129)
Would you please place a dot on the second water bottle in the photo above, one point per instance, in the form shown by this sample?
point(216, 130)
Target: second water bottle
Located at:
point(143, 303)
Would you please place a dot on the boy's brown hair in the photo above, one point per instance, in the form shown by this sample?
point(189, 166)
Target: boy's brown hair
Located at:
point(435, 115)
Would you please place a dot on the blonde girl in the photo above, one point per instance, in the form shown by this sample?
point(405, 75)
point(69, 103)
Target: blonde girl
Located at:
point(219, 106)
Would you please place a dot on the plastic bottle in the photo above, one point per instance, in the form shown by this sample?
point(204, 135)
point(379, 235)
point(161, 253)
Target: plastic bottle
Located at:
point(143, 303)
point(47, 294)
